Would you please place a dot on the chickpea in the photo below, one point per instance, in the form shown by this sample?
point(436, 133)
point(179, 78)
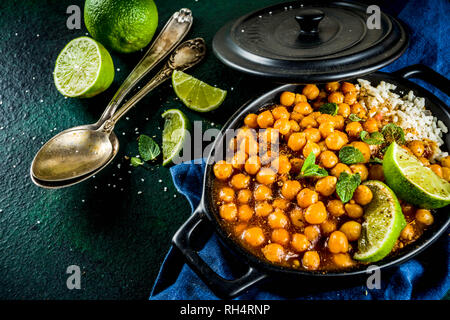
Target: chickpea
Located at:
point(269, 136)
point(363, 195)
point(298, 117)
point(328, 226)
point(326, 186)
point(336, 97)
point(446, 173)
point(263, 209)
point(344, 110)
point(361, 169)
point(332, 86)
point(240, 181)
point(424, 216)
point(417, 147)
point(239, 229)
point(249, 145)
point(328, 159)
point(295, 127)
point(265, 119)
point(376, 172)
point(283, 126)
point(287, 98)
point(244, 196)
point(304, 108)
point(326, 128)
point(262, 192)
point(297, 141)
point(424, 161)
point(336, 140)
point(350, 97)
point(250, 120)
point(437, 169)
point(300, 98)
point(299, 242)
point(280, 236)
point(273, 252)
point(339, 168)
point(290, 189)
point(282, 165)
point(339, 122)
point(254, 236)
point(266, 176)
point(445, 162)
point(309, 122)
point(222, 170)
point(252, 165)
point(245, 213)
point(358, 109)
point(280, 203)
point(336, 208)
point(407, 209)
point(323, 146)
point(324, 117)
point(280, 113)
point(296, 164)
point(226, 194)
point(311, 147)
point(311, 91)
point(371, 125)
point(311, 260)
point(297, 219)
point(316, 213)
point(312, 232)
point(228, 211)
point(343, 260)
point(338, 242)
point(277, 219)
point(354, 210)
point(312, 134)
point(347, 87)
point(352, 230)
point(354, 129)
point(239, 159)
point(307, 197)
point(364, 148)
point(408, 232)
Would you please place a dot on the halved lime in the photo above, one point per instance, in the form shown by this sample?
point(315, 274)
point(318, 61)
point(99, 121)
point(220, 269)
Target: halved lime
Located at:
point(83, 69)
point(196, 94)
point(176, 127)
point(412, 181)
point(383, 222)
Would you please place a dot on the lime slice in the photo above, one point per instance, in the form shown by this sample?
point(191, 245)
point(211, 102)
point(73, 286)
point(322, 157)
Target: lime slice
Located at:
point(83, 69)
point(412, 181)
point(383, 222)
point(176, 127)
point(196, 94)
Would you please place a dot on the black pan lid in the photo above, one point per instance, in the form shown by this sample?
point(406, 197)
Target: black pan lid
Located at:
point(311, 41)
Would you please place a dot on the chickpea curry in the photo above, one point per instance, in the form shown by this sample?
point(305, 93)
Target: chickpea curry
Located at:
point(278, 194)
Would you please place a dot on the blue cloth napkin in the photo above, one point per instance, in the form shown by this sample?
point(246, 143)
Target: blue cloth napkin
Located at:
point(425, 277)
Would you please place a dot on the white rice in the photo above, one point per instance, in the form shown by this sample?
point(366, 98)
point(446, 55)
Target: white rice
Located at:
point(408, 112)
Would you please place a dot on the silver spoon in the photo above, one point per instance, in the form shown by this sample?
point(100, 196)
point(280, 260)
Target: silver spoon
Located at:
point(74, 155)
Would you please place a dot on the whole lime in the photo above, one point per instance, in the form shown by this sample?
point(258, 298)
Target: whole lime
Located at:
point(122, 25)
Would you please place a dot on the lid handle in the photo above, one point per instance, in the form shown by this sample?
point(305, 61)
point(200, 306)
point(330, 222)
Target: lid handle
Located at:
point(309, 20)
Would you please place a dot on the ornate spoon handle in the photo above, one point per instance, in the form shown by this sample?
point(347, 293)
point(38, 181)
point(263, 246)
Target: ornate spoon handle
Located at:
point(171, 35)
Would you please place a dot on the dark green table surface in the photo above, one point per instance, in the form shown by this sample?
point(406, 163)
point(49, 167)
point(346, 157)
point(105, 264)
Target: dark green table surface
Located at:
point(117, 236)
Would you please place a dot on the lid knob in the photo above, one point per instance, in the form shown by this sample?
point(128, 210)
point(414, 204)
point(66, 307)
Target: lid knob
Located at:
point(309, 20)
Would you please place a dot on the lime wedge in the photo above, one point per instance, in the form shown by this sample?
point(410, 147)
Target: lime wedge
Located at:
point(83, 69)
point(196, 94)
point(176, 127)
point(412, 181)
point(383, 222)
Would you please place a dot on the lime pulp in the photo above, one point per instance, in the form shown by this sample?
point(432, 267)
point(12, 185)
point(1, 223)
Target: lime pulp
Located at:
point(176, 127)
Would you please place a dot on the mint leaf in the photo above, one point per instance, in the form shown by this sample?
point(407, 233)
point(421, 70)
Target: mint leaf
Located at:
point(376, 160)
point(393, 133)
point(329, 108)
point(311, 169)
point(148, 148)
point(350, 155)
point(374, 139)
point(136, 162)
point(346, 185)
point(353, 117)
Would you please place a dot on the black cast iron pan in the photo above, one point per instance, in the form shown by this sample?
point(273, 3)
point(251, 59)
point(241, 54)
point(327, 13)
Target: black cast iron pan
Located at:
point(258, 270)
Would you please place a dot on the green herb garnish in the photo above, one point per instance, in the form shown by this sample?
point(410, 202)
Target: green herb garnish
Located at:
point(329, 108)
point(346, 185)
point(353, 117)
point(393, 133)
point(350, 155)
point(374, 138)
point(311, 169)
point(376, 160)
point(136, 162)
point(148, 148)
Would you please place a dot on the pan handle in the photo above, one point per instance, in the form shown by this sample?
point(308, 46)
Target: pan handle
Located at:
point(426, 74)
point(223, 288)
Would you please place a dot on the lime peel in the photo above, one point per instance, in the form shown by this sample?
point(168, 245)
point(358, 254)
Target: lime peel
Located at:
point(175, 130)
